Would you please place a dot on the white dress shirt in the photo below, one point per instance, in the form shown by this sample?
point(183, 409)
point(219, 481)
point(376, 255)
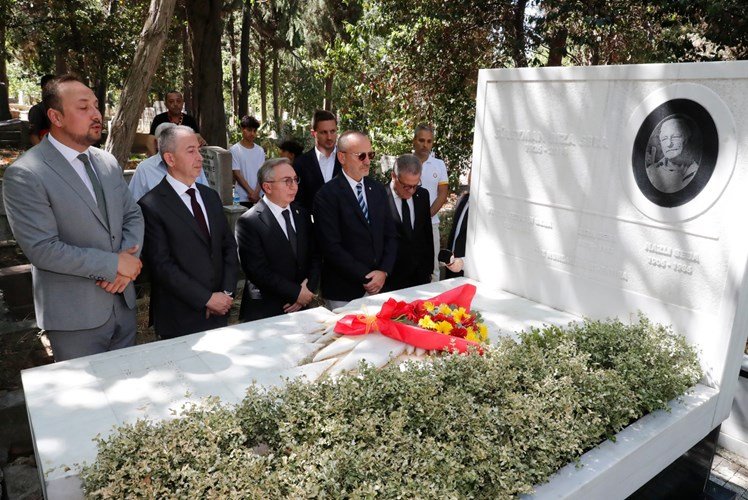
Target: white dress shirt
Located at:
point(399, 205)
point(326, 163)
point(181, 190)
point(353, 186)
point(71, 156)
point(277, 212)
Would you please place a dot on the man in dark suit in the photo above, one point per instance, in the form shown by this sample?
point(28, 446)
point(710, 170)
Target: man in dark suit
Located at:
point(458, 235)
point(276, 246)
point(188, 246)
point(410, 208)
point(320, 164)
point(354, 227)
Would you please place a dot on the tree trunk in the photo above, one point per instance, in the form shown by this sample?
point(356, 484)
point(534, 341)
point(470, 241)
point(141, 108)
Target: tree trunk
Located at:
point(557, 48)
point(327, 103)
point(518, 47)
point(206, 27)
point(186, 60)
point(234, 67)
point(144, 65)
point(263, 83)
point(4, 104)
point(276, 90)
point(244, 62)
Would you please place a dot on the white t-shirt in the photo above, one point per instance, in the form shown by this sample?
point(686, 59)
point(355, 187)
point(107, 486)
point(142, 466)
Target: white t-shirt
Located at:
point(248, 161)
point(434, 173)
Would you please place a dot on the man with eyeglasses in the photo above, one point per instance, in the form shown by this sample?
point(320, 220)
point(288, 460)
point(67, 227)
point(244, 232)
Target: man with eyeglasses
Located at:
point(410, 208)
point(276, 247)
point(320, 164)
point(434, 179)
point(354, 227)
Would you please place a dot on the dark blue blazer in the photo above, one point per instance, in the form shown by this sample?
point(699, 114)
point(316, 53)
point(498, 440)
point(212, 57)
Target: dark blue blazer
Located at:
point(352, 247)
point(186, 266)
point(415, 250)
point(269, 262)
point(310, 177)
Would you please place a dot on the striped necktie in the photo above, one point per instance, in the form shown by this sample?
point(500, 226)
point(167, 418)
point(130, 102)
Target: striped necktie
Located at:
point(361, 200)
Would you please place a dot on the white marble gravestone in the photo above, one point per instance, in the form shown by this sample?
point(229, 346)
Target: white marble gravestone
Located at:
point(579, 202)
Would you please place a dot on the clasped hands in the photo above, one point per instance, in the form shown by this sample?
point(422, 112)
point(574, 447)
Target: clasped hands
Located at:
point(304, 298)
point(128, 268)
point(219, 304)
point(376, 282)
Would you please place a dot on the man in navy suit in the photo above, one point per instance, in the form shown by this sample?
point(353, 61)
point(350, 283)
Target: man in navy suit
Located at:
point(276, 246)
point(354, 226)
point(410, 208)
point(189, 246)
point(320, 164)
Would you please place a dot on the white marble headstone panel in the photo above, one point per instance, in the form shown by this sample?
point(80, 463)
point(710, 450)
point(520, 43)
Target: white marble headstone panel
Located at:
point(574, 203)
point(217, 168)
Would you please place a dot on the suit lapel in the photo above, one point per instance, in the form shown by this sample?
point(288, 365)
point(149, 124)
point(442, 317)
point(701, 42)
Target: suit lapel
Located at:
point(57, 163)
point(319, 179)
point(267, 218)
point(175, 204)
point(107, 183)
point(348, 195)
point(301, 237)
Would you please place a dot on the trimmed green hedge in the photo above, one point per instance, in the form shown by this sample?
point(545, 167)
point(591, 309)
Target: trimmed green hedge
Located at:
point(473, 426)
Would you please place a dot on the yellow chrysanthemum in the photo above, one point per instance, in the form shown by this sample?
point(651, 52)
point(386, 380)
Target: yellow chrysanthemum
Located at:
point(428, 306)
point(444, 309)
point(427, 322)
point(471, 335)
point(444, 327)
point(483, 331)
point(459, 314)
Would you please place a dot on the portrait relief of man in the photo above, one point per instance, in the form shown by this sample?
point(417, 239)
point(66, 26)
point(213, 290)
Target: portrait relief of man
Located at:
point(675, 152)
point(678, 157)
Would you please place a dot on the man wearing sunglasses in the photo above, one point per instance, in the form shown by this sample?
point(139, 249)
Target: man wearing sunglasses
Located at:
point(276, 247)
point(320, 164)
point(354, 226)
point(410, 208)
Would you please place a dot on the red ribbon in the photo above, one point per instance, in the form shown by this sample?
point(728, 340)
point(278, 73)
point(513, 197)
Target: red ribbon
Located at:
point(385, 322)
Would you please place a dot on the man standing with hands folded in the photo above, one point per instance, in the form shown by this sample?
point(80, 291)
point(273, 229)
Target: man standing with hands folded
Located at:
point(188, 244)
point(355, 230)
point(73, 217)
point(276, 246)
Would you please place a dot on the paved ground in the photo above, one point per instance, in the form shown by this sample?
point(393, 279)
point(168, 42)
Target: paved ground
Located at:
point(731, 471)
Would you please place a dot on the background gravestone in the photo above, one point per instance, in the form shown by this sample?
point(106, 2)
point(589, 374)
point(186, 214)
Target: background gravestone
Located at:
point(217, 167)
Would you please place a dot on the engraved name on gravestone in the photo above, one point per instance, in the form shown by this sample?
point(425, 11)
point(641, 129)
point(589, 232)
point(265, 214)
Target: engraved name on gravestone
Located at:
point(607, 192)
point(217, 168)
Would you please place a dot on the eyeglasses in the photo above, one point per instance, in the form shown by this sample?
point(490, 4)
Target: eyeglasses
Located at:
point(289, 181)
point(409, 187)
point(361, 156)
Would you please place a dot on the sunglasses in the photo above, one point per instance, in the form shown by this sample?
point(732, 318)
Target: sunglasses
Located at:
point(361, 156)
point(288, 181)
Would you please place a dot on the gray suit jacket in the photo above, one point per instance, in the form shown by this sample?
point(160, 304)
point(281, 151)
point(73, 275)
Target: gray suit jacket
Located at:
point(57, 224)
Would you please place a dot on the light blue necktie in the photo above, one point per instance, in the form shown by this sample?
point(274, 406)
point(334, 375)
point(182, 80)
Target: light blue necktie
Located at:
point(361, 200)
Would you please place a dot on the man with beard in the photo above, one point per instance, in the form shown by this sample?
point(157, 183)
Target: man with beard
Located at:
point(73, 217)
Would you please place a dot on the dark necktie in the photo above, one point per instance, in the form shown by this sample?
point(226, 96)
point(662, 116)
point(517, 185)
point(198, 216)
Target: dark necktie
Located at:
point(406, 217)
point(197, 211)
point(289, 230)
point(98, 191)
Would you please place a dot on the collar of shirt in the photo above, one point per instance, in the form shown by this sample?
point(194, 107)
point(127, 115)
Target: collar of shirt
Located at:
point(399, 204)
point(277, 212)
point(70, 154)
point(181, 189)
point(322, 158)
point(353, 183)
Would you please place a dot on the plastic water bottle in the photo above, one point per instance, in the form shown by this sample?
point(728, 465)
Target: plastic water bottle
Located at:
point(236, 197)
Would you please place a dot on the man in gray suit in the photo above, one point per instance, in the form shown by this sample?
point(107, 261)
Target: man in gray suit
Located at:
point(72, 215)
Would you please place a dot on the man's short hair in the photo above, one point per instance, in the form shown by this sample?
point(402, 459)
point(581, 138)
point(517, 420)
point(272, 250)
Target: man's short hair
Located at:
point(166, 95)
point(346, 137)
point(423, 127)
point(408, 164)
point(292, 147)
point(249, 122)
point(167, 142)
point(51, 92)
point(267, 172)
point(45, 79)
point(163, 126)
point(322, 115)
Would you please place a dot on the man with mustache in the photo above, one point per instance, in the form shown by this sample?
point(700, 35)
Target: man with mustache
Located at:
point(72, 215)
